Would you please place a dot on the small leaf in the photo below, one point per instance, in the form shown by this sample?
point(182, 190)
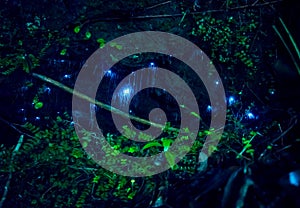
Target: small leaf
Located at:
point(88, 35)
point(132, 149)
point(166, 143)
point(152, 144)
point(77, 29)
point(170, 158)
point(63, 52)
point(38, 105)
point(195, 114)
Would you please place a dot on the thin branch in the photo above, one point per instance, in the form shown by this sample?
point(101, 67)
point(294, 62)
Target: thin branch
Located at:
point(14, 127)
point(100, 104)
point(158, 5)
point(178, 15)
point(6, 187)
point(279, 137)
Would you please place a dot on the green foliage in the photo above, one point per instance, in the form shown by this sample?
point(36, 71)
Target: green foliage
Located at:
point(101, 42)
point(18, 60)
point(227, 37)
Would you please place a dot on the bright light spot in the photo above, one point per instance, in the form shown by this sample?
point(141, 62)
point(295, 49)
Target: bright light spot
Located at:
point(272, 91)
point(47, 90)
point(67, 76)
point(294, 178)
point(217, 82)
point(250, 115)
point(231, 100)
point(152, 65)
point(124, 95)
point(37, 118)
point(126, 91)
point(109, 73)
point(208, 109)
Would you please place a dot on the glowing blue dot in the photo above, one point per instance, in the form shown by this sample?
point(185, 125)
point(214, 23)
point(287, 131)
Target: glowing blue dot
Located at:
point(126, 91)
point(231, 100)
point(208, 109)
point(217, 82)
point(47, 90)
point(294, 178)
point(250, 115)
point(152, 65)
point(67, 76)
point(37, 118)
point(272, 91)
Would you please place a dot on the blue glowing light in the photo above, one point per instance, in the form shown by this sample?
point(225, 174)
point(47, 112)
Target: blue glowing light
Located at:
point(47, 90)
point(124, 95)
point(272, 91)
point(67, 76)
point(208, 109)
point(152, 65)
point(294, 178)
point(126, 91)
point(231, 100)
point(250, 115)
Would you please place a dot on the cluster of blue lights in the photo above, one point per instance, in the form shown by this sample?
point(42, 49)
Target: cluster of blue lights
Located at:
point(231, 100)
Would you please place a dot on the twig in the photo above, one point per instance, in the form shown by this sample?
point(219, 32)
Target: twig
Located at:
point(285, 132)
point(157, 5)
point(100, 104)
point(278, 138)
point(15, 128)
point(6, 187)
point(177, 15)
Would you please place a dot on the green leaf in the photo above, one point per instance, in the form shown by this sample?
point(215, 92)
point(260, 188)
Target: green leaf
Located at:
point(88, 35)
point(77, 29)
point(63, 52)
point(170, 158)
point(166, 143)
point(152, 144)
point(133, 149)
point(38, 105)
